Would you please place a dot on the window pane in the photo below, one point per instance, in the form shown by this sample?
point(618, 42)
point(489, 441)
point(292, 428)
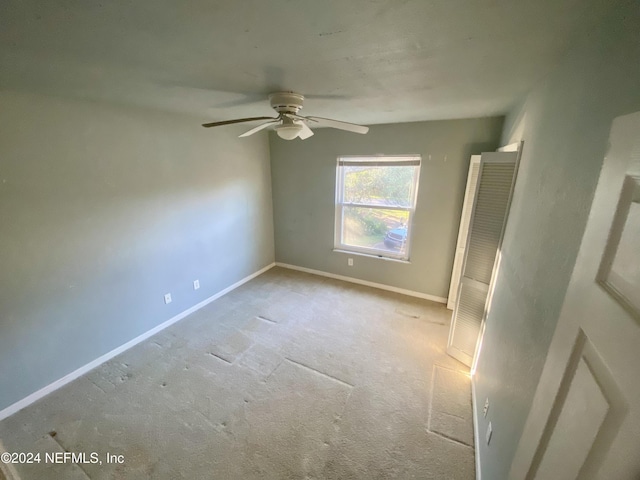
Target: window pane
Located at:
point(376, 228)
point(386, 185)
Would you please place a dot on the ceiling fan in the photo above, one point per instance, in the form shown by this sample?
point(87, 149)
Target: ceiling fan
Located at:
point(288, 124)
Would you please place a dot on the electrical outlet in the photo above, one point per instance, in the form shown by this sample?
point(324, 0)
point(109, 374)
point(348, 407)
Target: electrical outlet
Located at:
point(350, 262)
point(167, 298)
point(489, 433)
point(486, 407)
point(196, 284)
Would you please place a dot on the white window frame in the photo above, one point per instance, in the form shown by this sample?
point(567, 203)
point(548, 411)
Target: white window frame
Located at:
point(375, 160)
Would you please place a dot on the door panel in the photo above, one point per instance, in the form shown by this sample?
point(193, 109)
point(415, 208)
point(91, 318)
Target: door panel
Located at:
point(619, 272)
point(470, 308)
point(489, 216)
point(586, 415)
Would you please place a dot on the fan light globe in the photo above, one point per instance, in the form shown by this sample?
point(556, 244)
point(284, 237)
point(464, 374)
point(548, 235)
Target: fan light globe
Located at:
point(288, 132)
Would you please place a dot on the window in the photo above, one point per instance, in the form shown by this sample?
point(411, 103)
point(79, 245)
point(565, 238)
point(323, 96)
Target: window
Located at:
point(375, 202)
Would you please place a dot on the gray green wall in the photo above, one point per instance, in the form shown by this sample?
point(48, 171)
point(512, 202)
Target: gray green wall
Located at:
point(565, 124)
point(103, 210)
point(304, 180)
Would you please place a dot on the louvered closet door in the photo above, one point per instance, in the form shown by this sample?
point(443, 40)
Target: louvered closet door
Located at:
point(463, 230)
point(491, 202)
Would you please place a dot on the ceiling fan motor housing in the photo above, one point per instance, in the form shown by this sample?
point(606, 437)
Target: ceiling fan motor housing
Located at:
point(286, 102)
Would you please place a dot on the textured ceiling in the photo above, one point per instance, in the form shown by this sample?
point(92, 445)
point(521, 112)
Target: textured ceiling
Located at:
point(368, 61)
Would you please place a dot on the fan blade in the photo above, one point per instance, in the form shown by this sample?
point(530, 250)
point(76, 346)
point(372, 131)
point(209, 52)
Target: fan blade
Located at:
point(259, 127)
point(238, 120)
point(350, 127)
point(306, 132)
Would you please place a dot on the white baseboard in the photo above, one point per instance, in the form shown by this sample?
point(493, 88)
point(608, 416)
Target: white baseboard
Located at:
point(476, 433)
point(28, 400)
point(381, 286)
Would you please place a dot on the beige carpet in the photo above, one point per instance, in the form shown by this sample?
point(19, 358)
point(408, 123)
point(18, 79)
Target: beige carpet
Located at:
point(291, 376)
point(7, 470)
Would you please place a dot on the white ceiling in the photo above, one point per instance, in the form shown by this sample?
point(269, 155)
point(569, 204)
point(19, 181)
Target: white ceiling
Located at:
point(367, 61)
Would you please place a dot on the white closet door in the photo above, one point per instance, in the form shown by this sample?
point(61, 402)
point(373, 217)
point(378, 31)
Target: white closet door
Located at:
point(463, 231)
point(488, 217)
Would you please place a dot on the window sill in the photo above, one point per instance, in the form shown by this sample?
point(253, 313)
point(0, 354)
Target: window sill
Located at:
point(372, 255)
